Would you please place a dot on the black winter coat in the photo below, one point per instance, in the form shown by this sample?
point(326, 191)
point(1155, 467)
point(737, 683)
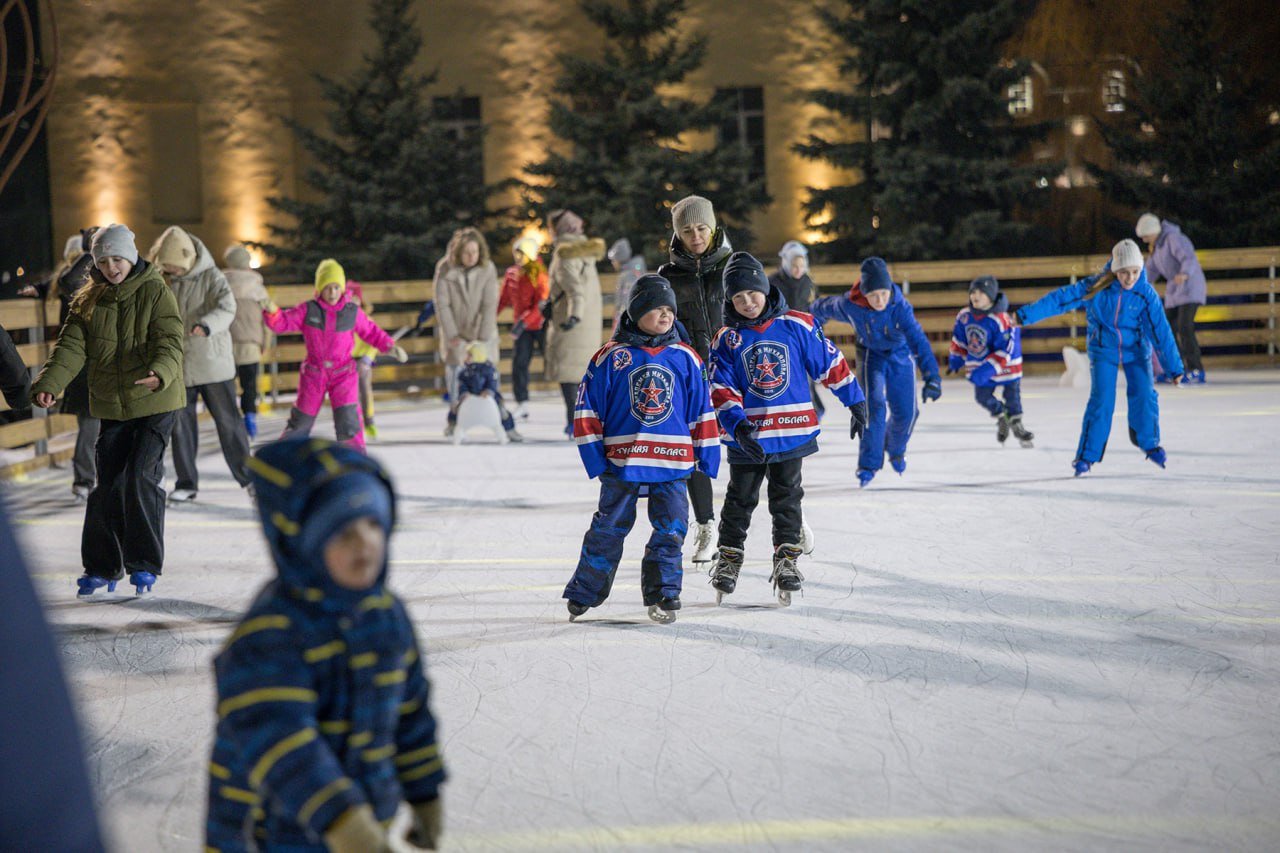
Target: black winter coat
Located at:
point(799, 292)
point(699, 288)
point(15, 381)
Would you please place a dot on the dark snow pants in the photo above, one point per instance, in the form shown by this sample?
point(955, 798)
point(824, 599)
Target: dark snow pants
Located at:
point(124, 518)
point(743, 493)
point(1012, 405)
point(220, 400)
point(661, 575)
point(1182, 319)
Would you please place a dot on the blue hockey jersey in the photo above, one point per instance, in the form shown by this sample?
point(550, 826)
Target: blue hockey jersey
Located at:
point(894, 332)
point(760, 371)
point(987, 337)
point(644, 413)
point(1124, 325)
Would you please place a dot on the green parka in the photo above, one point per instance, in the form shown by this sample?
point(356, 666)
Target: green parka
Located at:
point(121, 332)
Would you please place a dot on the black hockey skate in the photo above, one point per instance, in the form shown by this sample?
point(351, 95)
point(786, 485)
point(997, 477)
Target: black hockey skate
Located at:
point(1002, 427)
point(786, 576)
point(724, 571)
point(664, 611)
point(576, 609)
point(1020, 432)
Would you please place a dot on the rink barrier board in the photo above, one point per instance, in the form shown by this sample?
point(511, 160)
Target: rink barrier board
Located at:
point(937, 290)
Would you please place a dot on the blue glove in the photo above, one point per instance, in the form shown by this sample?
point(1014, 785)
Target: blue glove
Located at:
point(954, 364)
point(859, 412)
point(428, 311)
point(1019, 318)
point(745, 435)
point(983, 374)
point(932, 389)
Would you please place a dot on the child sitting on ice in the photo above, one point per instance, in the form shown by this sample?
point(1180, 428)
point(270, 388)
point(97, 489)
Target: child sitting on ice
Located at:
point(762, 362)
point(1126, 320)
point(330, 324)
point(643, 420)
point(324, 727)
point(479, 378)
point(987, 345)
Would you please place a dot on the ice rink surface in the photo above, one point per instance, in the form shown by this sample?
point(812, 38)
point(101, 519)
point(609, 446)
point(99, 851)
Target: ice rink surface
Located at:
point(988, 654)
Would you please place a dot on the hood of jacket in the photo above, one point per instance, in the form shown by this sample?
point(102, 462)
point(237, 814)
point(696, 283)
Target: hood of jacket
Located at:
point(630, 334)
point(204, 260)
point(857, 297)
point(774, 307)
point(719, 249)
point(1168, 230)
point(569, 246)
point(287, 475)
point(1001, 306)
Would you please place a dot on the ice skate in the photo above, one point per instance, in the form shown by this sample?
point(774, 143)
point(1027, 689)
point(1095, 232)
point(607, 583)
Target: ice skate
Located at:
point(1081, 467)
point(865, 475)
point(370, 431)
point(514, 435)
point(449, 430)
point(786, 576)
point(576, 609)
point(251, 424)
point(89, 584)
point(899, 464)
point(704, 548)
point(522, 411)
point(81, 491)
point(1157, 455)
point(182, 496)
point(1194, 377)
point(1002, 427)
point(724, 571)
point(807, 540)
point(142, 582)
point(1020, 432)
point(664, 611)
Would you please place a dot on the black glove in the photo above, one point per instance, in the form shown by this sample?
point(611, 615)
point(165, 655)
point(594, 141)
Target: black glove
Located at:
point(86, 238)
point(745, 435)
point(569, 324)
point(547, 308)
point(859, 412)
point(932, 389)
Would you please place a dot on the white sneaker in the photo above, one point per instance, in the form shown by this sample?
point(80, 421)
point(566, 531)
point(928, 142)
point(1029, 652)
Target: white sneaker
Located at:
point(704, 542)
point(179, 496)
point(522, 411)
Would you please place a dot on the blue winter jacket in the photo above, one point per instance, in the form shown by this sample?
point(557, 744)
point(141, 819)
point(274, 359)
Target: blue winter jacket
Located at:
point(322, 698)
point(475, 379)
point(1124, 325)
point(893, 332)
point(760, 371)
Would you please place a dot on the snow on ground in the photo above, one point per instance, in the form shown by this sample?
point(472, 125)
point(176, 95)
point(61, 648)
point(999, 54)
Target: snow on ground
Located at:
point(988, 654)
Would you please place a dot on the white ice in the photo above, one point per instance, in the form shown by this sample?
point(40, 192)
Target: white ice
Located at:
point(988, 654)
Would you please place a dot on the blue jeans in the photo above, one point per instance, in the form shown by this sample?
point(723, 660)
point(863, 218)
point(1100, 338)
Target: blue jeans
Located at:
point(1012, 405)
point(1144, 408)
point(661, 574)
point(890, 384)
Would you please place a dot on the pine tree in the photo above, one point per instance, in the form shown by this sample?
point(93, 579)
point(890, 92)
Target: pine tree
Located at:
point(1195, 143)
point(625, 155)
point(387, 174)
point(938, 148)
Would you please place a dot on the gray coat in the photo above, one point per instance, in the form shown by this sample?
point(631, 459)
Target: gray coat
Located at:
point(575, 292)
point(205, 298)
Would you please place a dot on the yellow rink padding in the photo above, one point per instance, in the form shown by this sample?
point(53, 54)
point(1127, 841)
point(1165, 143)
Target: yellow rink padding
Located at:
point(772, 832)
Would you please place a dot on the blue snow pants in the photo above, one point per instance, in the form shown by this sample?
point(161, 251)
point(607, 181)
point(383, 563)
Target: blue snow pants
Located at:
point(661, 574)
point(1144, 408)
point(1012, 405)
point(889, 381)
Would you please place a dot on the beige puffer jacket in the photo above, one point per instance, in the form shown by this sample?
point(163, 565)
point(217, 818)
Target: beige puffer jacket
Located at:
point(575, 292)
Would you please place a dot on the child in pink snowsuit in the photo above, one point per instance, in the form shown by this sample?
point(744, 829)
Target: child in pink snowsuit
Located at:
point(329, 325)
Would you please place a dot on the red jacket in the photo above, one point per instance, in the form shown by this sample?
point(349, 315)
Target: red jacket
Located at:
point(524, 289)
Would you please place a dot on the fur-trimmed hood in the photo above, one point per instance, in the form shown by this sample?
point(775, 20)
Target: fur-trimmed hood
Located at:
point(572, 246)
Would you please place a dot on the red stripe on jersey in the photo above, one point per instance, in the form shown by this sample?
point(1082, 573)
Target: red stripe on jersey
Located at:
point(587, 426)
point(720, 396)
point(837, 374)
point(706, 428)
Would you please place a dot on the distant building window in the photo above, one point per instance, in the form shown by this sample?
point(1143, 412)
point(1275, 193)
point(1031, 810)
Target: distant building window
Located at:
point(1021, 98)
point(1113, 92)
point(460, 115)
point(744, 124)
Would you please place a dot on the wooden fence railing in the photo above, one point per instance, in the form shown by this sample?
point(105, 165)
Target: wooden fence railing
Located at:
point(1237, 329)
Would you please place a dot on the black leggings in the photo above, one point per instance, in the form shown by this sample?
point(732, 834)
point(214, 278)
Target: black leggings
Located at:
point(1183, 320)
point(785, 494)
point(569, 391)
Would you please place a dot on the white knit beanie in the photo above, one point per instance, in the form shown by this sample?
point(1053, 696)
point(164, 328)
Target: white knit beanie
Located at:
point(1148, 225)
point(115, 241)
point(1125, 254)
point(237, 257)
point(693, 210)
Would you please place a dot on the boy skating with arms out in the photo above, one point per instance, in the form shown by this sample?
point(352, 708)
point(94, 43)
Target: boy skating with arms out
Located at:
point(643, 421)
point(987, 345)
point(761, 364)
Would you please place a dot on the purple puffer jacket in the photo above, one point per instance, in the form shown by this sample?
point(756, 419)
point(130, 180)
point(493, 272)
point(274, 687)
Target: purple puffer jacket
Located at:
point(1171, 255)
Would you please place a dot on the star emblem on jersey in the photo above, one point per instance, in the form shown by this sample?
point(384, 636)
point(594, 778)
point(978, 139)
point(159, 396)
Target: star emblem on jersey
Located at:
point(652, 387)
point(976, 340)
point(768, 368)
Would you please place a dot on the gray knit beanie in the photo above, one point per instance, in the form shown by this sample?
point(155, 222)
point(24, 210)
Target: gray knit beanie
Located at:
point(114, 241)
point(237, 257)
point(692, 210)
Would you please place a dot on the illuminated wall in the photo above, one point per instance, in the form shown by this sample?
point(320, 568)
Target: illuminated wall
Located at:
point(169, 112)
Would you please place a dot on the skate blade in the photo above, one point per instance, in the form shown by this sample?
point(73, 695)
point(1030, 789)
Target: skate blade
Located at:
point(784, 597)
point(719, 597)
point(1027, 443)
point(664, 617)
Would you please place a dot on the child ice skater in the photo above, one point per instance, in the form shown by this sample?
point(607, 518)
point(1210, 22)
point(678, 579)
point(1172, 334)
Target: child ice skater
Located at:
point(761, 365)
point(987, 345)
point(1126, 320)
point(643, 420)
point(891, 345)
point(479, 378)
point(323, 723)
point(330, 324)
